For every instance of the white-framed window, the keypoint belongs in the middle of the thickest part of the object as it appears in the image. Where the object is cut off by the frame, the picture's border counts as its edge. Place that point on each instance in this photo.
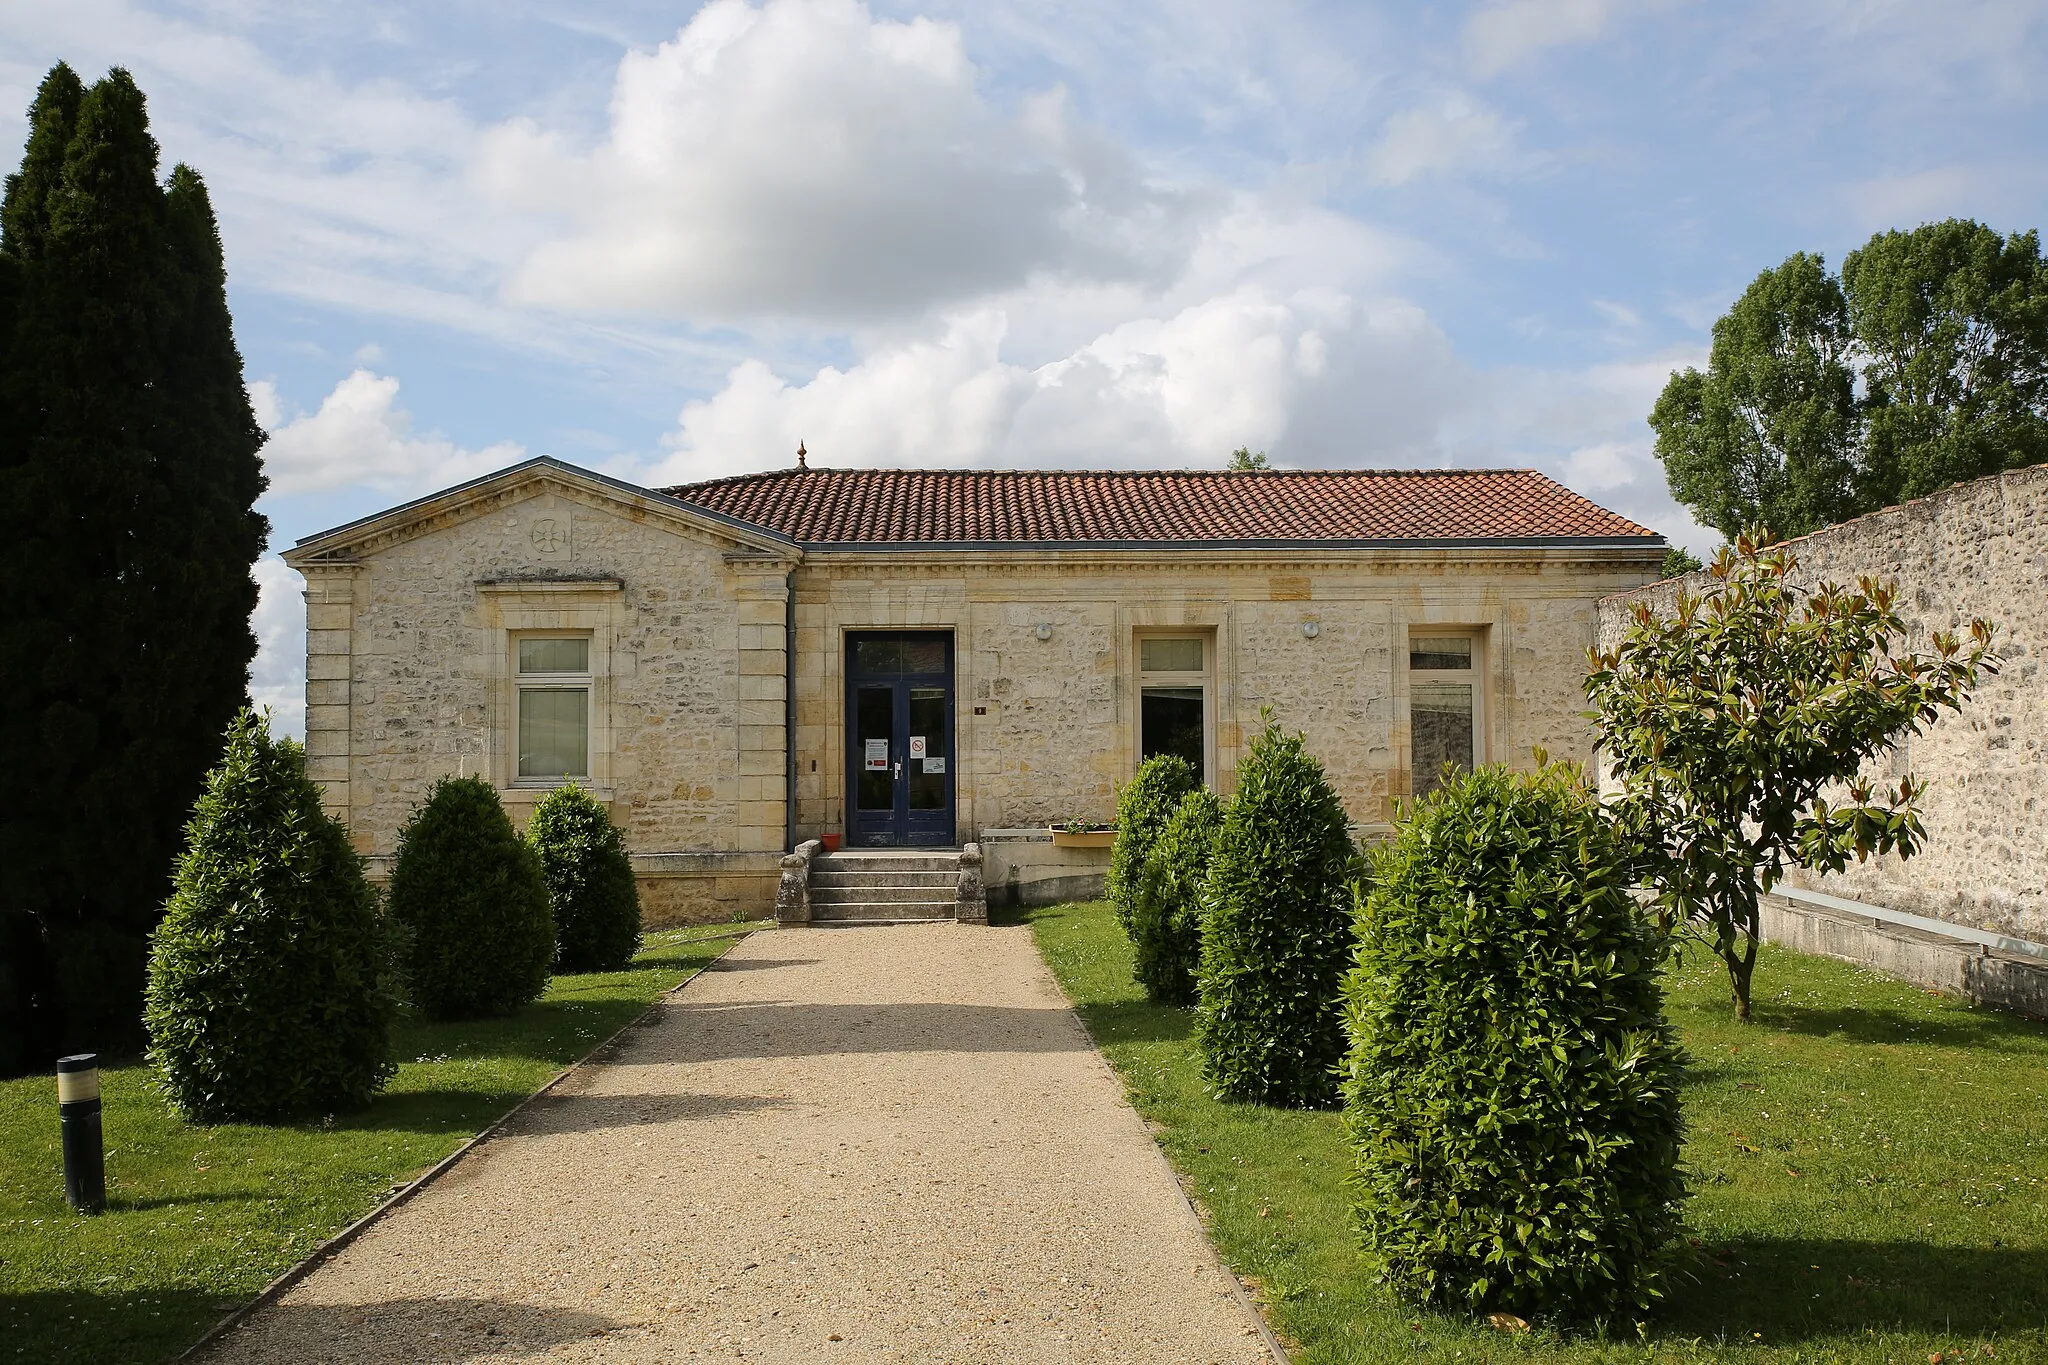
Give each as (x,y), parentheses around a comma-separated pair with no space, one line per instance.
(1446,703)
(1175,697)
(551,685)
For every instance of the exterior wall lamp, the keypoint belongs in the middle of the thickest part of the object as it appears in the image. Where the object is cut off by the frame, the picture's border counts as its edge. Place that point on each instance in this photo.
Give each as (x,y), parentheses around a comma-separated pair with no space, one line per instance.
(1044,631)
(1311,629)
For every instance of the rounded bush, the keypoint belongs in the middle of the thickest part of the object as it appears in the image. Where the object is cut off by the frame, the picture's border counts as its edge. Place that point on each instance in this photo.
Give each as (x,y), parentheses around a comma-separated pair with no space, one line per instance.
(468,894)
(267,995)
(589,880)
(1511,1092)
(1276,934)
(1166,924)
(1142,810)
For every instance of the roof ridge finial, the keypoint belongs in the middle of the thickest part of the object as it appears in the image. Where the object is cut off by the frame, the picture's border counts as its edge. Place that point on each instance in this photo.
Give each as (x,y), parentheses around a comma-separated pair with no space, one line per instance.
(801,453)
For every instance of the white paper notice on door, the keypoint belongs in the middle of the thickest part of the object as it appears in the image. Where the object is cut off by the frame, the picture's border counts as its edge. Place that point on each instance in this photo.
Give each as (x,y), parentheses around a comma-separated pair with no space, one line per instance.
(917,746)
(878,755)
(935,765)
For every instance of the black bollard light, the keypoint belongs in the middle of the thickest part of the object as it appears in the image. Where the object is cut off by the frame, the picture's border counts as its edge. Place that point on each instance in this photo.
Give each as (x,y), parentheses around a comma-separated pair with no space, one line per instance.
(78,1114)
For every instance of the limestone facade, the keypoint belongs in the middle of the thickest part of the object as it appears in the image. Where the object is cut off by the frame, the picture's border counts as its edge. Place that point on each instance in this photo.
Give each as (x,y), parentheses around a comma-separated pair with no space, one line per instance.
(414,619)
(1977,550)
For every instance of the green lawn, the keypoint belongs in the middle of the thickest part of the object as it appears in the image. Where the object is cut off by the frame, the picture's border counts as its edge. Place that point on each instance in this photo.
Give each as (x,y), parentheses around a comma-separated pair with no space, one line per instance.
(1871,1164)
(199,1219)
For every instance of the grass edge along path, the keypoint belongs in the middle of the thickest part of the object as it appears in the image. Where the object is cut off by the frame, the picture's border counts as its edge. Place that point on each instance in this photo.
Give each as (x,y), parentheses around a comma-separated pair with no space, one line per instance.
(202,1219)
(1871,1167)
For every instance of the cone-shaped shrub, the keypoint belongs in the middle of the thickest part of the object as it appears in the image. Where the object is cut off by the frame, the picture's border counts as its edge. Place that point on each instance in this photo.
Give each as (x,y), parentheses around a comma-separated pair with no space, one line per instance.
(267,996)
(1511,1093)
(1142,810)
(1276,937)
(468,892)
(1166,925)
(589,879)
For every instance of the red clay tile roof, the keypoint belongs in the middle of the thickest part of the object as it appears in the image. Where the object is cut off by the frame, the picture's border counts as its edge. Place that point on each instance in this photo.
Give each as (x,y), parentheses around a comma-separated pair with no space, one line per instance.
(1011,507)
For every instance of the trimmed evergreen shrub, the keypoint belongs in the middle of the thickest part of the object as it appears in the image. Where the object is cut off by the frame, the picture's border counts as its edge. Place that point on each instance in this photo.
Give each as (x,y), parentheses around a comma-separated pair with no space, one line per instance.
(1143,807)
(1511,1093)
(266,997)
(469,895)
(1166,924)
(589,880)
(1276,935)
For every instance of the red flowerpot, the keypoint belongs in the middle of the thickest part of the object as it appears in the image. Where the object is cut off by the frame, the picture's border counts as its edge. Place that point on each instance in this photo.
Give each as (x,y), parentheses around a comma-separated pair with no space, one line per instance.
(830,841)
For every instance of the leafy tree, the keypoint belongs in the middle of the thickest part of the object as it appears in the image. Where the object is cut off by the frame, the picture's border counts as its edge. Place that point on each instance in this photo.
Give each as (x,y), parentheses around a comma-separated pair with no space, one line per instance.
(267,996)
(1277,932)
(591,892)
(1679,561)
(1924,365)
(1166,922)
(469,898)
(128,478)
(1738,725)
(1512,1089)
(1953,320)
(1143,807)
(1768,432)
(1244,457)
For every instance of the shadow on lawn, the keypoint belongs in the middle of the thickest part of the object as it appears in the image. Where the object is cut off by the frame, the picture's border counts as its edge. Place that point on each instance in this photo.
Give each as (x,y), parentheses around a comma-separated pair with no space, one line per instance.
(1792,1289)
(1136,1021)
(56,1327)
(1984,1029)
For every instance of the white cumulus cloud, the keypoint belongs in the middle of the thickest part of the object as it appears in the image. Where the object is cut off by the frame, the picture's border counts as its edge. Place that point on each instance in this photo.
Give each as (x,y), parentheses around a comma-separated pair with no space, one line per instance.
(803,158)
(277,678)
(1255,367)
(360,436)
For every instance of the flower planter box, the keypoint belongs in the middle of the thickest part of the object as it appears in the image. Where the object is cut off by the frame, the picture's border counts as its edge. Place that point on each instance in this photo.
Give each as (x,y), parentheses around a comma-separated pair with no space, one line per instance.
(1094,838)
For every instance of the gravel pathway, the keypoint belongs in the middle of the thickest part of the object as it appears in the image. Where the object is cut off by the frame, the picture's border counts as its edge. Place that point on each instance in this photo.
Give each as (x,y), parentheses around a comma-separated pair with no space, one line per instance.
(889,1143)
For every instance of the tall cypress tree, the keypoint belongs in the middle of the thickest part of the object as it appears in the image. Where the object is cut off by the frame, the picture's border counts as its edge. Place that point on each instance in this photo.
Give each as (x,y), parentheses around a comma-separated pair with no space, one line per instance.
(128,474)
(27,1001)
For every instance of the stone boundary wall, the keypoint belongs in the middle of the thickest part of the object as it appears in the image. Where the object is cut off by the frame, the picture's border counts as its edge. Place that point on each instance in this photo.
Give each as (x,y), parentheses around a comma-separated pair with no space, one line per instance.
(1979,549)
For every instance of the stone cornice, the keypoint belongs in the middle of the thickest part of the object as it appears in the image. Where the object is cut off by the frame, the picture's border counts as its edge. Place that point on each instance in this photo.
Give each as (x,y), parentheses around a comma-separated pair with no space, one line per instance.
(357,539)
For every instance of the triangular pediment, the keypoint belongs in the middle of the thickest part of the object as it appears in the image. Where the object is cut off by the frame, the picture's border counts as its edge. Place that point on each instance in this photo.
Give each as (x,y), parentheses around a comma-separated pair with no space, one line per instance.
(532,478)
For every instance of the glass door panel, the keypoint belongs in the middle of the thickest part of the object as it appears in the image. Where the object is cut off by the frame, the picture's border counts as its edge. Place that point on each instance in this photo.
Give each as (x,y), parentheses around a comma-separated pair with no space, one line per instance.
(875,747)
(928,748)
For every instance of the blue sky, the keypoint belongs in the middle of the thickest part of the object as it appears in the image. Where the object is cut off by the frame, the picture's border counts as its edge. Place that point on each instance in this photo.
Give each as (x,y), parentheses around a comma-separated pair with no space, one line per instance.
(668,241)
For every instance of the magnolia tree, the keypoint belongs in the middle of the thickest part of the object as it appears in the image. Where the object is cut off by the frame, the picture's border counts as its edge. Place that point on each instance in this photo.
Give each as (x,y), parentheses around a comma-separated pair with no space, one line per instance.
(1738,726)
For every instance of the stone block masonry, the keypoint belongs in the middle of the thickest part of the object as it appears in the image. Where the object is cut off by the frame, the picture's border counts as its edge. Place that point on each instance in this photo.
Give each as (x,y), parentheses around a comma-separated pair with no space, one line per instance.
(1977,550)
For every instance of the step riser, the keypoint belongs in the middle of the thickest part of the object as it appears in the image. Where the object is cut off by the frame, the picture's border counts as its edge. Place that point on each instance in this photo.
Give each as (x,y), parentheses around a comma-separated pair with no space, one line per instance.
(820,880)
(882,895)
(880,862)
(879,914)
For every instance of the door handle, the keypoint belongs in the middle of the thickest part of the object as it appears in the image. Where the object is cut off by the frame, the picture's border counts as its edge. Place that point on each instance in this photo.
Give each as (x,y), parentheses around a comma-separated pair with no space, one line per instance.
(899,768)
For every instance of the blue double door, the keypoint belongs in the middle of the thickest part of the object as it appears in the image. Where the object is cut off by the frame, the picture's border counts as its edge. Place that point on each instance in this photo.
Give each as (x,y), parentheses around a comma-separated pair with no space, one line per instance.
(899,760)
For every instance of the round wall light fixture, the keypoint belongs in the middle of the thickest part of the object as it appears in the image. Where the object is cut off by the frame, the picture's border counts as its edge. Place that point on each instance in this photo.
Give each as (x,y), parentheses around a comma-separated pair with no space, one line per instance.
(1311,629)
(1044,631)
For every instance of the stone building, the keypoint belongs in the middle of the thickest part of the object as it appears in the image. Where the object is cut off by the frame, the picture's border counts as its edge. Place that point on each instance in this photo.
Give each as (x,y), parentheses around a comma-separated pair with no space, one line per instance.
(916,658)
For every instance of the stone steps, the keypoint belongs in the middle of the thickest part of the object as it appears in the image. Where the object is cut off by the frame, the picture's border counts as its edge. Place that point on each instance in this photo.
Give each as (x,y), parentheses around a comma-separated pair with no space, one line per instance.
(883,887)
(944,879)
